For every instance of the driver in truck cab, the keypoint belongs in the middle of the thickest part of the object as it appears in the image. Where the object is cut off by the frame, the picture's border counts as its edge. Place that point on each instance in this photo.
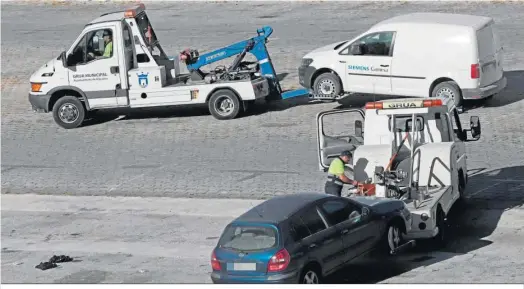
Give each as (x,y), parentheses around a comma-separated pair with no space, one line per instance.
(336,177)
(108,45)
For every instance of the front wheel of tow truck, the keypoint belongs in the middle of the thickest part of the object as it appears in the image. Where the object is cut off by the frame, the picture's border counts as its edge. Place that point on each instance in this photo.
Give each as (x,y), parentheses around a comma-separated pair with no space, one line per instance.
(224,104)
(441,239)
(69,112)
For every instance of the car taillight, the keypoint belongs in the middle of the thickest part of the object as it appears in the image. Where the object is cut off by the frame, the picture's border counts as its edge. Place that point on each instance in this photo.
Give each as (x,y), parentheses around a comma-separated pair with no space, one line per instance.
(279,261)
(214,262)
(475,71)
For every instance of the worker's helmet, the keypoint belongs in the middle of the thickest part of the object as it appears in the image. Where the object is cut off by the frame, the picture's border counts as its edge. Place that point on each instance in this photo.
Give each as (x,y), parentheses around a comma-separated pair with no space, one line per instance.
(346,154)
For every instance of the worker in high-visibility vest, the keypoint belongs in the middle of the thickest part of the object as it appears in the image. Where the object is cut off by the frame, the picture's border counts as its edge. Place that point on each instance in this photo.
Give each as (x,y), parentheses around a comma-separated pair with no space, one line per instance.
(336,177)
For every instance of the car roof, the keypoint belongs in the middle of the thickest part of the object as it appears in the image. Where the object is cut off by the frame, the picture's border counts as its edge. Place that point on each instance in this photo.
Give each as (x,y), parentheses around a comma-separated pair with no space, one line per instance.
(453,19)
(278,209)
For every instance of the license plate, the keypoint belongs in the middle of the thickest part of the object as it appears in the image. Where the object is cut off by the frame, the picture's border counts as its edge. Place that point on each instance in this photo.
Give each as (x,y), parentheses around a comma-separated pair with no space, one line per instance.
(242,266)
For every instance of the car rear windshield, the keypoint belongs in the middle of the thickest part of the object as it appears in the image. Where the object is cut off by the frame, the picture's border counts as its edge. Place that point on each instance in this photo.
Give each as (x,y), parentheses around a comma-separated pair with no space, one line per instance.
(248,238)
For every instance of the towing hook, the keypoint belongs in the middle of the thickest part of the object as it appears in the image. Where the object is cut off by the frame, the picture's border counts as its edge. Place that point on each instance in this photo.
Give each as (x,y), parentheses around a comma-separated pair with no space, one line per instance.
(401,248)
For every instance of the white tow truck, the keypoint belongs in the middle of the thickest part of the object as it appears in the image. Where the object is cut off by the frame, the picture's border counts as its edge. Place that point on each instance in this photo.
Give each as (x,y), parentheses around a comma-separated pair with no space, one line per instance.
(423,164)
(137,73)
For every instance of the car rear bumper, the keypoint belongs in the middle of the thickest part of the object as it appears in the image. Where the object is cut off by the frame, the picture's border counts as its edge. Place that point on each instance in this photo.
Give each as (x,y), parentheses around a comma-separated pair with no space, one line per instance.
(39,102)
(285,278)
(483,92)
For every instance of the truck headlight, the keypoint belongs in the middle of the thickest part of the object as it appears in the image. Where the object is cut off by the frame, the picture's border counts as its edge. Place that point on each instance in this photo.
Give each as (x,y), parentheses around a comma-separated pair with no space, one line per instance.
(47,74)
(306,61)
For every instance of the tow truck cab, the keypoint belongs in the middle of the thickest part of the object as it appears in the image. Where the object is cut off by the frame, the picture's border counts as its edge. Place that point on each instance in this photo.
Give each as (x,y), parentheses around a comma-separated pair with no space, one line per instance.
(431,153)
(135,73)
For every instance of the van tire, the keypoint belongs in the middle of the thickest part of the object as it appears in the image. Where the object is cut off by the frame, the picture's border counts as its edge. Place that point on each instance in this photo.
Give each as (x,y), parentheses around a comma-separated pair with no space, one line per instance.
(230,100)
(69,112)
(449,87)
(331,84)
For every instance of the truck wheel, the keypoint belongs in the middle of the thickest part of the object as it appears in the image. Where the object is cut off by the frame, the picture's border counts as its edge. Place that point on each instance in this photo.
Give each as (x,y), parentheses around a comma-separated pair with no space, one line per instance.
(448,89)
(224,104)
(441,239)
(69,112)
(392,238)
(327,85)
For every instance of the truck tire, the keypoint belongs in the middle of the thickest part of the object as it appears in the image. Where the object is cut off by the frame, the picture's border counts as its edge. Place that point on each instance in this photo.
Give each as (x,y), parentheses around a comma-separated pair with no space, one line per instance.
(69,112)
(224,104)
(441,239)
(327,85)
(448,89)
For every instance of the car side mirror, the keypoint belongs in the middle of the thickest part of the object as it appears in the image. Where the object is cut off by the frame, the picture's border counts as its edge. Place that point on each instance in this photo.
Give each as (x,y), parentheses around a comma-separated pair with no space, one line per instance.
(356,49)
(358,128)
(475,128)
(69,60)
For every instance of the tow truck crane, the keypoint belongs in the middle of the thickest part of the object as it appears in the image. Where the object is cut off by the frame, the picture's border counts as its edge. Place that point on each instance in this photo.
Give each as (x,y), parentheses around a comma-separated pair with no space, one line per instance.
(408,149)
(137,73)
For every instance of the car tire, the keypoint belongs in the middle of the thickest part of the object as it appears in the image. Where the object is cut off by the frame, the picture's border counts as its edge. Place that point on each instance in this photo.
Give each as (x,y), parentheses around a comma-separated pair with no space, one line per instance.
(448,89)
(69,112)
(310,275)
(441,239)
(392,238)
(327,85)
(224,104)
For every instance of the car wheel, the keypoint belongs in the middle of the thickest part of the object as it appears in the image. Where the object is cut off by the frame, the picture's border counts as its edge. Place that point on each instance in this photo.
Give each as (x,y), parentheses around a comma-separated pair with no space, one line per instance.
(448,90)
(69,112)
(310,275)
(393,238)
(224,104)
(327,85)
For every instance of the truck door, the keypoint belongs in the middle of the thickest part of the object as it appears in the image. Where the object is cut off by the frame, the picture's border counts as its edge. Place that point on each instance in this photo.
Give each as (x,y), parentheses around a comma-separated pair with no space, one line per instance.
(336,132)
(93,66)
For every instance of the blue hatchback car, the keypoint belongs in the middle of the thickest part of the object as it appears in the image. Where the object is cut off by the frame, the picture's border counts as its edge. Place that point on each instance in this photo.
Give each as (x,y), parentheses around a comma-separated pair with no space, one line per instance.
(301,238)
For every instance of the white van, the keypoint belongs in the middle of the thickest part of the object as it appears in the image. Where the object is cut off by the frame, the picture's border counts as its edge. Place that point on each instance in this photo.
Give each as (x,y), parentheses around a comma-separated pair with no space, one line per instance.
(417,55)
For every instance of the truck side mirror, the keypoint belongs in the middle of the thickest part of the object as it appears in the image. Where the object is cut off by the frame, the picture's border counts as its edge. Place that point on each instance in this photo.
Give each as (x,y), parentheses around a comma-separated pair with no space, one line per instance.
(63,58)
(475,127)
(358,128)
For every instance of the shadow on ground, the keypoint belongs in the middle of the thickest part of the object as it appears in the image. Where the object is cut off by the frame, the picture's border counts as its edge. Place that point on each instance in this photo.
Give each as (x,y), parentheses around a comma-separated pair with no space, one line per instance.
(513,92)
(478,219)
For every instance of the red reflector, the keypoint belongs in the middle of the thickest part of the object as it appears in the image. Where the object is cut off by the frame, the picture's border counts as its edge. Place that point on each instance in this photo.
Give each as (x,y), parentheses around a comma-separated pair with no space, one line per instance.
(214,262)
(475,71)
(432,102)
(374,105)
(279,261)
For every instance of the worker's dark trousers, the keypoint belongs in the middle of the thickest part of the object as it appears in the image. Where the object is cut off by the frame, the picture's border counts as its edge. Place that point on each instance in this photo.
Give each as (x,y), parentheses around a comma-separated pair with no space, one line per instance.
(333,189)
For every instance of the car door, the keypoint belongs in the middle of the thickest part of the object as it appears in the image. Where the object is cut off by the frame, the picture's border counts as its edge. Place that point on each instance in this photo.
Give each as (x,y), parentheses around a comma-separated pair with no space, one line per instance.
(359,233)
(367,62)
(96,76)
(334,134)
(324,243)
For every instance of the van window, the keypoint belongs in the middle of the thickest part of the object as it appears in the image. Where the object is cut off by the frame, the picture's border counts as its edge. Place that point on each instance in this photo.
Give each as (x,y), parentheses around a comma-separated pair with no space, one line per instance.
(376,44)
(248,238)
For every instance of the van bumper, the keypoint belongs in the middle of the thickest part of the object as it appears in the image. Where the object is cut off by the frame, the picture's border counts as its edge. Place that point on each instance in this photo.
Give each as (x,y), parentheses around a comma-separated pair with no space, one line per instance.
(483,92)
(39,102)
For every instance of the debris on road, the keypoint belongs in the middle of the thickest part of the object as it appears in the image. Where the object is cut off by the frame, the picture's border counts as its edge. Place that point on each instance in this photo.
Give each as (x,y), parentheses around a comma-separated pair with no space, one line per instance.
(52,262)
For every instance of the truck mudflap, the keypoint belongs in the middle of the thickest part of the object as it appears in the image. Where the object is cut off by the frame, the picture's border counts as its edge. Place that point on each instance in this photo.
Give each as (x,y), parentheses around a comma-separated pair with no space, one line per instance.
(260,87)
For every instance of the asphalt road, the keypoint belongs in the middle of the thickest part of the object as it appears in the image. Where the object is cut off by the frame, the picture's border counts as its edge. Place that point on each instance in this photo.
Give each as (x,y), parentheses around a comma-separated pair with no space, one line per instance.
(187,153)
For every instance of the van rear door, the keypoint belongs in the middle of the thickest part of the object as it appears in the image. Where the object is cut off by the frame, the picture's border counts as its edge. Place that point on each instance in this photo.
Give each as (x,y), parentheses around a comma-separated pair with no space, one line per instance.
(490,55)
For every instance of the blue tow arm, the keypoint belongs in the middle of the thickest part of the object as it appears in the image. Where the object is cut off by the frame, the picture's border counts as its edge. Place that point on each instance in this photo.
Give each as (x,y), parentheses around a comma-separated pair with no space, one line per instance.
(257,47)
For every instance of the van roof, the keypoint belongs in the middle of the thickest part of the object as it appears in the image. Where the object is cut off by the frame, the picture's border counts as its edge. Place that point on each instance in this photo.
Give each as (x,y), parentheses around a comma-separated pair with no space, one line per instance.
(452,19)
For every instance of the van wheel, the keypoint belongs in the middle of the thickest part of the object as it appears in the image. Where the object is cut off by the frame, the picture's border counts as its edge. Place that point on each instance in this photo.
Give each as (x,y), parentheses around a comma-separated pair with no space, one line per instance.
(224,104)
(327,85)
(69,112)
(310,275)
(447,90)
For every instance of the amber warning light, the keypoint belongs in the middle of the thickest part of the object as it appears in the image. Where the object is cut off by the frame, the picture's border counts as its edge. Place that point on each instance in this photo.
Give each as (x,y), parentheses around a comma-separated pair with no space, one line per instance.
(132,12)
(404,104)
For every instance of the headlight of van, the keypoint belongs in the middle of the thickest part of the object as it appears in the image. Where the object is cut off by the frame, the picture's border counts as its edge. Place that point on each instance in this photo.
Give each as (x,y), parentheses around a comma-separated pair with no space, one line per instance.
(47,74)
(306,61)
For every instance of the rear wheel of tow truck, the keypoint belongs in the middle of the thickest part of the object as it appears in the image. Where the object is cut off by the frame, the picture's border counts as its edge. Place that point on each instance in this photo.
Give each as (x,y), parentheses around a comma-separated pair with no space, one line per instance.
(224,104)
(392,238)
(69,112)
(448,90)
(327,85)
